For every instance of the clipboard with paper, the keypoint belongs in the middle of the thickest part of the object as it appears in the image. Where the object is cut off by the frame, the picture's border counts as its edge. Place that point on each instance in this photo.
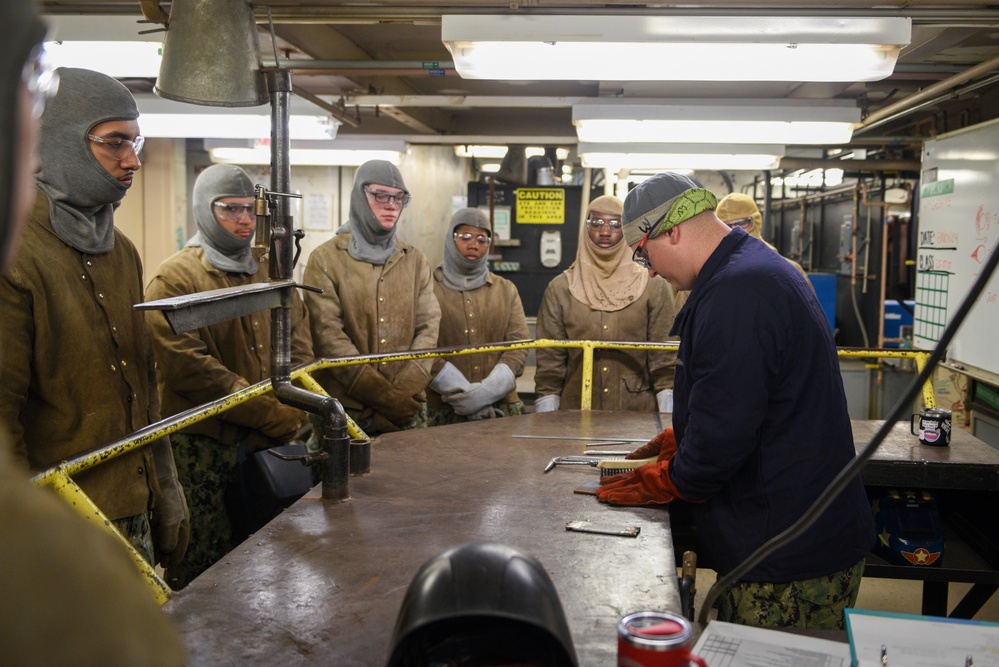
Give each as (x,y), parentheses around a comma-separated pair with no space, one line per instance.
(883,638)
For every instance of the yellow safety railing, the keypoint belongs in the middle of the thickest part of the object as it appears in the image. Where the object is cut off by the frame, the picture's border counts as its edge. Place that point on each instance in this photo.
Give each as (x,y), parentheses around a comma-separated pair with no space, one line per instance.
(59,478)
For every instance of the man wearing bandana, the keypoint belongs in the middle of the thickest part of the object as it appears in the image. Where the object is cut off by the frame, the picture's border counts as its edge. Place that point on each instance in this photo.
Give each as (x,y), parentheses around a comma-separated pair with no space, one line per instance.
(605,296)
(477,308)
(378,297)
(760,423)
(206,364)
(78,367)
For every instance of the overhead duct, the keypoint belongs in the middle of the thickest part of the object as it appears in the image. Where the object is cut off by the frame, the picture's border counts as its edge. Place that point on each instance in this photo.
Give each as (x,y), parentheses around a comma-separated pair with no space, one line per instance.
(513,168)
(540,171)
(211,55)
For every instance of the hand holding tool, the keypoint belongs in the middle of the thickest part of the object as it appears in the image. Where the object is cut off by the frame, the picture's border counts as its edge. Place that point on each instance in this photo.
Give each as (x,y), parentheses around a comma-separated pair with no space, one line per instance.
(646,485)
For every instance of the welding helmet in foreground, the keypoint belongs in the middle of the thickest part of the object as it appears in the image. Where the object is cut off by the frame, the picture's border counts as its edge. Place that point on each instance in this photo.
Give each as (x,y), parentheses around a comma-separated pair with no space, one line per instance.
(478,605)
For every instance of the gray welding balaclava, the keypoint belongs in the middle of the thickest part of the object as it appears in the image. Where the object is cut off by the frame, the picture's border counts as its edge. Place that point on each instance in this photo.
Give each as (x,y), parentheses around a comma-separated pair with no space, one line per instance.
(25,31)
(225,251)
(81,192)
(369,241)
(460,273)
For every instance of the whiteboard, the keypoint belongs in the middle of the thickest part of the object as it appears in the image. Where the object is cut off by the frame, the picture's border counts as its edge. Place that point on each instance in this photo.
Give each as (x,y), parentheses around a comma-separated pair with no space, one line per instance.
(958,229)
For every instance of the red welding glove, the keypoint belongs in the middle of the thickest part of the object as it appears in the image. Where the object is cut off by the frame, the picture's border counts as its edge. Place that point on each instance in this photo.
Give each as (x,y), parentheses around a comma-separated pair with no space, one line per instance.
(663,446)
(645,485)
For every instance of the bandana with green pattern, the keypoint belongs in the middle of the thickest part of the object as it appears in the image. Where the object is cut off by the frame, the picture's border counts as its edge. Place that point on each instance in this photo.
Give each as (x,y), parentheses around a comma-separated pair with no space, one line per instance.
(668,215)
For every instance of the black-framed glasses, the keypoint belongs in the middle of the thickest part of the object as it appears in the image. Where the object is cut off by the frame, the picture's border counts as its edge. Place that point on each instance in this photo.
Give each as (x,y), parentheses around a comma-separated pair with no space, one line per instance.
(641,255)
(598,223)
(232,212)
(402,199)
(41,80)
(477,239)
(745,223)
(119,148)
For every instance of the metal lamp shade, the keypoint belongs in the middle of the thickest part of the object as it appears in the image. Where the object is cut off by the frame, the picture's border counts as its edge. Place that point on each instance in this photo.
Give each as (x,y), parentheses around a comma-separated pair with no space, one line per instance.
(211,55)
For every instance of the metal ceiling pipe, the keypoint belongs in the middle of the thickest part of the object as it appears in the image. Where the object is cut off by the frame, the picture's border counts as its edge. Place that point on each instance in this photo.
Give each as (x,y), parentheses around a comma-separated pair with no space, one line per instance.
(331,109)
(908,104)
(418,12)
(407,65)
(795,163)
(334,440)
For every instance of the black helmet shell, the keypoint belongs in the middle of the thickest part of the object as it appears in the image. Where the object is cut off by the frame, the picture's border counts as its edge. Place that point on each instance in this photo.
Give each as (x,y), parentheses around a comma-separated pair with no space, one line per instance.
(479,602)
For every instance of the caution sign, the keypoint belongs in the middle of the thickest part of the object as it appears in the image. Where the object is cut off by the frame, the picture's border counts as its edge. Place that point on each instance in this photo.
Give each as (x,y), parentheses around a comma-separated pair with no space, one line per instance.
(541,206)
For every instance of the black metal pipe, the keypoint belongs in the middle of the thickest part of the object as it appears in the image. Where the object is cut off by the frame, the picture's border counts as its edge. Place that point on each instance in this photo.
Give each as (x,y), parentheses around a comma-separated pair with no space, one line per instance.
(334,440)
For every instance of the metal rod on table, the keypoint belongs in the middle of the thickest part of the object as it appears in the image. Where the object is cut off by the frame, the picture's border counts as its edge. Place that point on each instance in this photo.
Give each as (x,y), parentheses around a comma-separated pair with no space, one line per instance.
(572,437)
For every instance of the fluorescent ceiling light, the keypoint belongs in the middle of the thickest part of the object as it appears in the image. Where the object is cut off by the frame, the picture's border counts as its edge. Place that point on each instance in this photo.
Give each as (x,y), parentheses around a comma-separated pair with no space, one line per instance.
(491,152)
(121,60)
(159,117)
(233,126)
(110,44)
(616,157)
(345,153)
(815,178)
(674,48)
(718,121)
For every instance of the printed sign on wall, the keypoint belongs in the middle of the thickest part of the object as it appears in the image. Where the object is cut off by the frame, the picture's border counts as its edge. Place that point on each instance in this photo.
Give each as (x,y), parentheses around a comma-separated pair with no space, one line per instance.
(540,206)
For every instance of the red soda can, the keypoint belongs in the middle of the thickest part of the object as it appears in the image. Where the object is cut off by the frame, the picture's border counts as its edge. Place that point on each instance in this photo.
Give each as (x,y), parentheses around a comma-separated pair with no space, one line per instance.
(655,639)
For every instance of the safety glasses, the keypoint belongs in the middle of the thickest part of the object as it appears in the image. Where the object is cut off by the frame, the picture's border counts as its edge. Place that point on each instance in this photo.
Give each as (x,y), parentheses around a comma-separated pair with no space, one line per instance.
(641,255)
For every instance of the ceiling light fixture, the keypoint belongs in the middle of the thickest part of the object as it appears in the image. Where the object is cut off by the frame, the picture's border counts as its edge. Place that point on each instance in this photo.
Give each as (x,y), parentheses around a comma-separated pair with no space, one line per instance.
(616,157)
(159,117)
(344,153)
(121,60)
(674,48)
(487,151)
(717,121)
(233,126)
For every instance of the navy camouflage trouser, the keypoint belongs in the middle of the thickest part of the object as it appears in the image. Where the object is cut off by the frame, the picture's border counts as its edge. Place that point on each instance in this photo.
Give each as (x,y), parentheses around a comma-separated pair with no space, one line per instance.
(206,469)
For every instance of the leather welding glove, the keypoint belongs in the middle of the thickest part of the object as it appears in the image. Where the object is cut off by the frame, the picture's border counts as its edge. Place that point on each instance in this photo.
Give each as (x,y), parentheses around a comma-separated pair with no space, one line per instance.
(371,388)
(488,412)
(449,380)
(495,386)
(412,379)
(170,519)
(274,420)
(645,485)
(549,403)
(664,399)
(663,447)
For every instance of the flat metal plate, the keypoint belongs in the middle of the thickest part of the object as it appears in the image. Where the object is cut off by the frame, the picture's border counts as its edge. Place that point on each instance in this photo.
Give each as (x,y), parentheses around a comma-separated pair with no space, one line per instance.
(615,530)
(201,309)
(322,583)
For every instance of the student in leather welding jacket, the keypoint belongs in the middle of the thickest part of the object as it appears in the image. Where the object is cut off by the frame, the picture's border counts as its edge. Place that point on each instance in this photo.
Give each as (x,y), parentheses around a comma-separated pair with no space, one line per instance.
(477,308)
(71,594)
(208,363)
(760,423)
(78,369)
(605,296)
(378,297)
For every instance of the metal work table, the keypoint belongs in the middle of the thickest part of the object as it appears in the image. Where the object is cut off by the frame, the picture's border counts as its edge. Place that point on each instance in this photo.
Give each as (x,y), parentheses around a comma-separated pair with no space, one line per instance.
(322,583)
(967,463)
(964,479)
